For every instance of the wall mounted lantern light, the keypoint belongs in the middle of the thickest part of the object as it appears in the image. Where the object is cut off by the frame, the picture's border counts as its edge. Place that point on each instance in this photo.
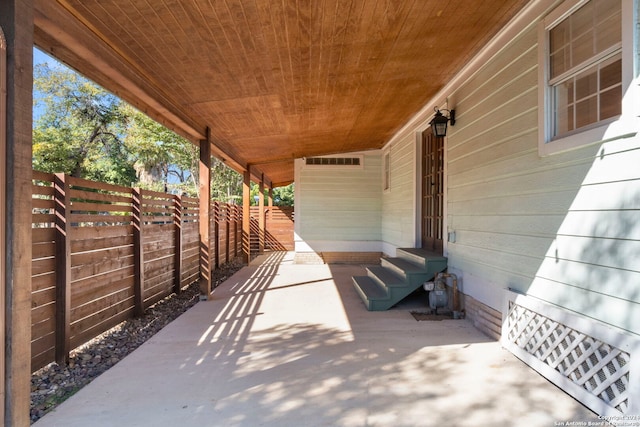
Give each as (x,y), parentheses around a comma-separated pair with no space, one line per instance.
(439,122)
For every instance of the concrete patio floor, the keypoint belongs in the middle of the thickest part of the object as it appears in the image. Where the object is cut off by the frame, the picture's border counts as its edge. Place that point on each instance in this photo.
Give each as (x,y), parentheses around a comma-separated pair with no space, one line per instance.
(292,345)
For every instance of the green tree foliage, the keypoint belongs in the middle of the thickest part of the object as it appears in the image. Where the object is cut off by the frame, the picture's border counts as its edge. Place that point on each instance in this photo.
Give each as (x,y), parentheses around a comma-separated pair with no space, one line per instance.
(226,184)
(80,129)
(162,158)
(282,196)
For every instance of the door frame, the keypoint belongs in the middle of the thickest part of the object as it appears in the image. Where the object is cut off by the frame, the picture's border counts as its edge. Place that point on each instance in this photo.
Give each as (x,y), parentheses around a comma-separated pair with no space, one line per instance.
(418,193)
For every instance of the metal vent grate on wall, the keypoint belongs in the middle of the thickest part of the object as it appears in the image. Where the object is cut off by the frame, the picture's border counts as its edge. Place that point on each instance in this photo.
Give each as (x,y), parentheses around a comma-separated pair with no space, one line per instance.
(595,363)
(333,161)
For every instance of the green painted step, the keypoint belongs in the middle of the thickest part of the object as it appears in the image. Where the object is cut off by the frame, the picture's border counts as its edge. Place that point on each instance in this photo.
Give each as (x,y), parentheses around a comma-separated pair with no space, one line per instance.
(373,294)
(395,278)
(420,256)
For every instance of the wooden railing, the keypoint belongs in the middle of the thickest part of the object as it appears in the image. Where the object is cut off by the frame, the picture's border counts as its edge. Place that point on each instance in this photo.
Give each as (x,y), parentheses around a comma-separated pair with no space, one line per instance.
(104,253)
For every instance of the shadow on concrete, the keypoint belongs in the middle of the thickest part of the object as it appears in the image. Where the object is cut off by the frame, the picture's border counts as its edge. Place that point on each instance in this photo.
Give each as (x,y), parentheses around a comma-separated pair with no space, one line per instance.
(288,345)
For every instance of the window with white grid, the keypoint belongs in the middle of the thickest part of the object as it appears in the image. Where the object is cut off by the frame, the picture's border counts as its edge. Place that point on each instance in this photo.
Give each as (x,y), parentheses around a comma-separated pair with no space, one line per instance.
(586,64)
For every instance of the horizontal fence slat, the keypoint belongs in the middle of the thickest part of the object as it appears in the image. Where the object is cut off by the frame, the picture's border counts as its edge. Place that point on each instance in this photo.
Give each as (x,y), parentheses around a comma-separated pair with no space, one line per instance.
(92,245)
(42,266)
(42,204)
(77,220)
(105,267)
(98,208)
(96,232)
(43,250)
(84,195)
(41,176)
(101,255)
(39,218)
(85,183)
(43,281)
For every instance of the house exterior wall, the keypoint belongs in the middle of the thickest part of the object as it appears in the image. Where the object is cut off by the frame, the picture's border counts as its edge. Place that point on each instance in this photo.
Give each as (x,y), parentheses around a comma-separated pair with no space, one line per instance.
(338,208)
(503,203)
(545,235)
(399,201)
(557,227)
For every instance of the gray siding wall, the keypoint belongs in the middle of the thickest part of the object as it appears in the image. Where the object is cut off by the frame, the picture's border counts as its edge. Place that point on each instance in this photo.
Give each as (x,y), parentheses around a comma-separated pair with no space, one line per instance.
(563,228)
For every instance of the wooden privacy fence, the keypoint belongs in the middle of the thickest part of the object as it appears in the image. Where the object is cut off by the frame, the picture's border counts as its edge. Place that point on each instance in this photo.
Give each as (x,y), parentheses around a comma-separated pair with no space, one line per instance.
(104,253)
(279,225)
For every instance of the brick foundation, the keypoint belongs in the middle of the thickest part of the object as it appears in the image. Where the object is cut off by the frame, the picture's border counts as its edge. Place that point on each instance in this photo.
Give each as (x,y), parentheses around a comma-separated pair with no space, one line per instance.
(337,257)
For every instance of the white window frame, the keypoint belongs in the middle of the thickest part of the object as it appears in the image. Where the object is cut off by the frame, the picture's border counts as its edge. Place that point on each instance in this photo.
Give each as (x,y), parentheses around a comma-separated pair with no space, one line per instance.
(386,171)
(613,128)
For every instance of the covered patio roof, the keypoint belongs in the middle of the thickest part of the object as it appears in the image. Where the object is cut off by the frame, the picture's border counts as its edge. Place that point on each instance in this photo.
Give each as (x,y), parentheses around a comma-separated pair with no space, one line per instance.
(270,81)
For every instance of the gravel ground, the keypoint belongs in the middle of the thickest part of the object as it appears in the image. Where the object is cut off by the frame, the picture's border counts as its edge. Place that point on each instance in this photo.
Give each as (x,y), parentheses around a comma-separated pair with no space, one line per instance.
(54,383)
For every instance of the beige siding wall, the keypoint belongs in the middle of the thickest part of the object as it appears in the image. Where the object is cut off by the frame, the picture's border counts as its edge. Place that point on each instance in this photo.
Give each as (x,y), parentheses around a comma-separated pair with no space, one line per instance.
(339,204)
(562,228)
(398,203)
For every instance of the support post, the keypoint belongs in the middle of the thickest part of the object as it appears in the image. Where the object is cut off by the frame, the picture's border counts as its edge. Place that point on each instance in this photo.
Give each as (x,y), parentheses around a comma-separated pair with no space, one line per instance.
(261,221)
(270,219)
(16,22)
(138,253)
(205,218)
(216,232)
(236,219)
(177,236)
(3,215)
(246,216)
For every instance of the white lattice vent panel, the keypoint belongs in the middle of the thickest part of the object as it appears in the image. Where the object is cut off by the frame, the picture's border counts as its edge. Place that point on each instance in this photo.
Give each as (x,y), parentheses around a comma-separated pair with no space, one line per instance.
(595,363)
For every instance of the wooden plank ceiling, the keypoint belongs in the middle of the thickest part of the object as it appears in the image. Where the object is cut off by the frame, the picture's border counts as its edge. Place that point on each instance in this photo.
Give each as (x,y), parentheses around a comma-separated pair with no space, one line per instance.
(272,80)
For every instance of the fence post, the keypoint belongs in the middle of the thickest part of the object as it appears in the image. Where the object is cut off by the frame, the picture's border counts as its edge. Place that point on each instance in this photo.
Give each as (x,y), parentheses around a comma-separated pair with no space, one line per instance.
(138,253)
(238,229)
(63,268)
(177,260)
(261,219)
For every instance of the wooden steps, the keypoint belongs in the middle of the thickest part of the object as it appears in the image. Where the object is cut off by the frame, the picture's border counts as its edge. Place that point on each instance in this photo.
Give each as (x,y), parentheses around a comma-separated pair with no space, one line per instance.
(395,278)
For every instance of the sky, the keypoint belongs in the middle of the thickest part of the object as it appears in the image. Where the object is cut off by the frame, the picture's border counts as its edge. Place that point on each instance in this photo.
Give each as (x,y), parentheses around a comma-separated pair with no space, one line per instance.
(40,57)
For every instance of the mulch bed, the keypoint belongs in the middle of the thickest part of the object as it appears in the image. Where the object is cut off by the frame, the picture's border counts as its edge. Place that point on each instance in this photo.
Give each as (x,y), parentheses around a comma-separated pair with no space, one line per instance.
(431,316)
